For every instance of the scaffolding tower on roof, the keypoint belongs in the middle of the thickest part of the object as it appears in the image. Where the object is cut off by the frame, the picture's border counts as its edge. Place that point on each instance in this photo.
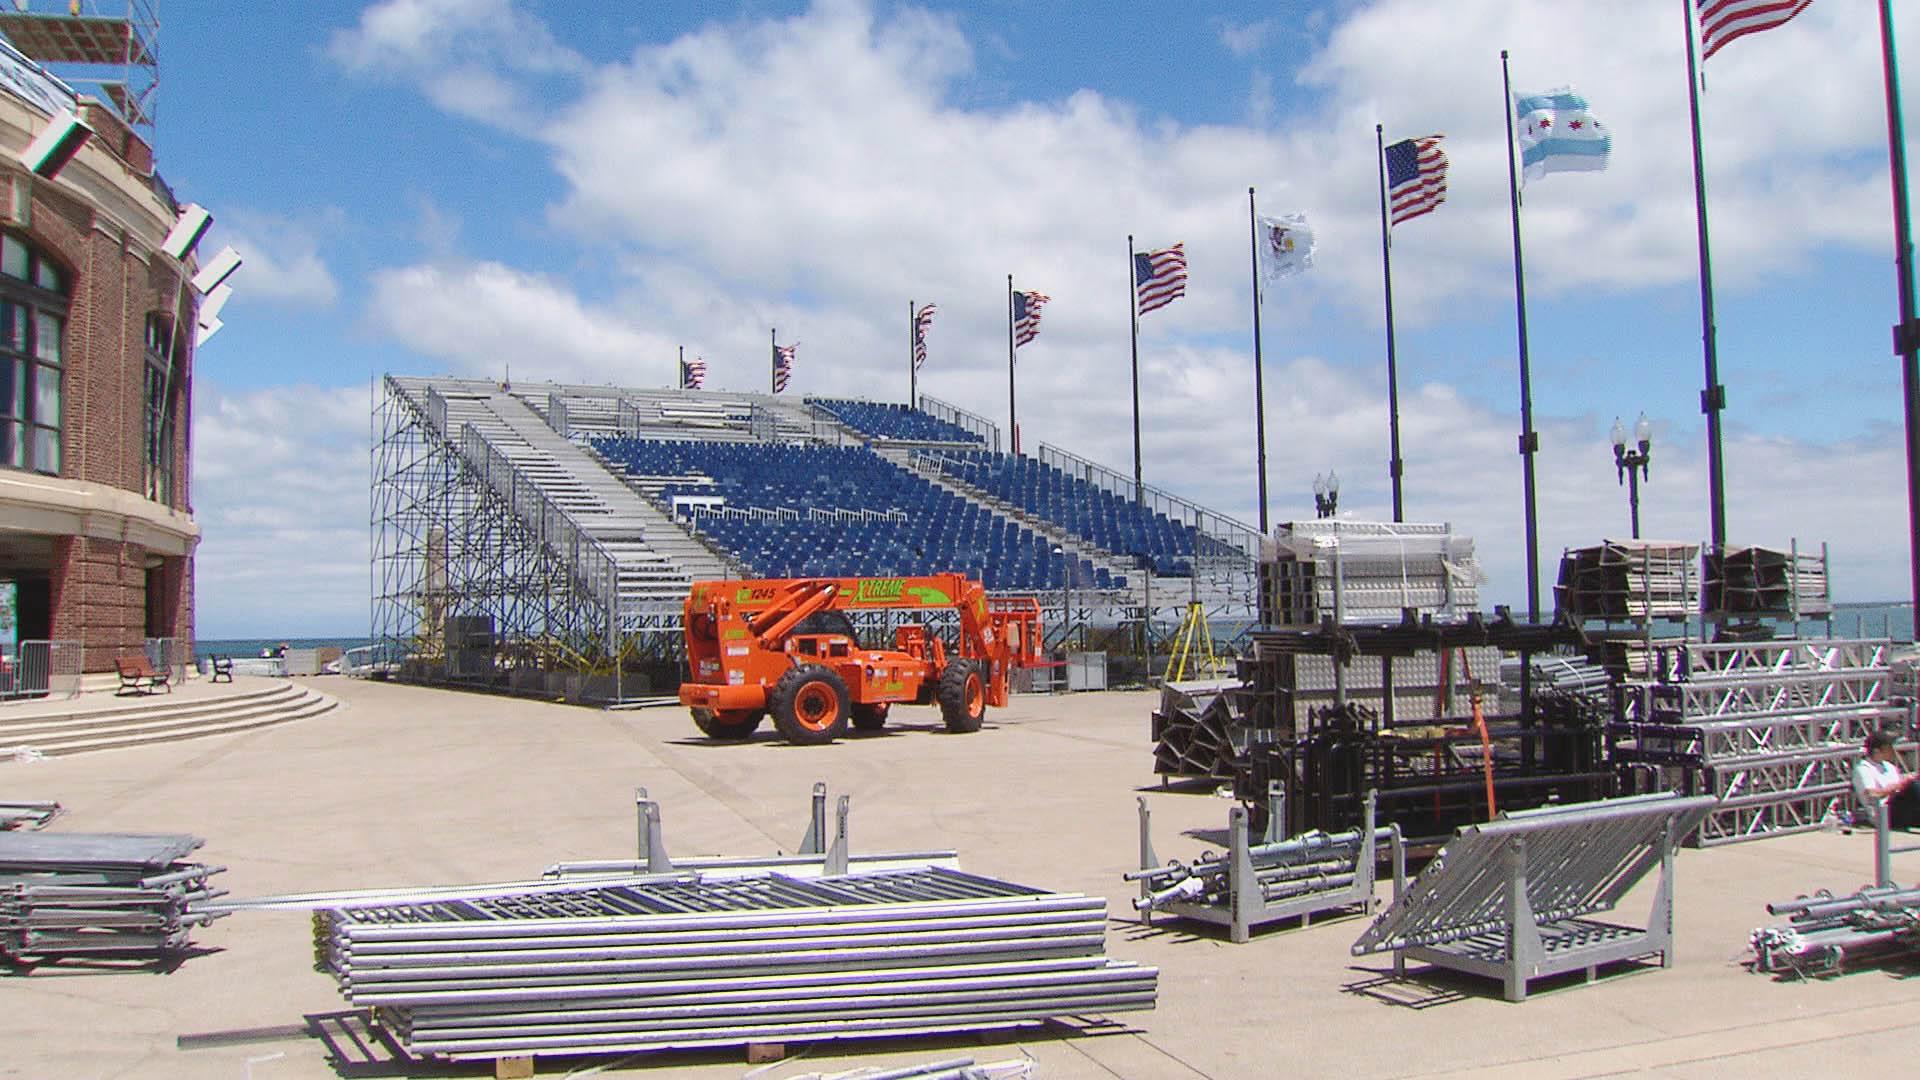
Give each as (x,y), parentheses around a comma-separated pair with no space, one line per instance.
(109,46)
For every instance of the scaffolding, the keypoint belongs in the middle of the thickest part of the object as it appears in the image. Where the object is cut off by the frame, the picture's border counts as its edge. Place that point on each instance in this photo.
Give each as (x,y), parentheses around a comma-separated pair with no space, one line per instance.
(109,46)
(478,577)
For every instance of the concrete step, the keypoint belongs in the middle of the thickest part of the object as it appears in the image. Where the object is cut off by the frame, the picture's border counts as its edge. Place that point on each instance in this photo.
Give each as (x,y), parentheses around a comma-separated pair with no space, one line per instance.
(298,705)
(161,705)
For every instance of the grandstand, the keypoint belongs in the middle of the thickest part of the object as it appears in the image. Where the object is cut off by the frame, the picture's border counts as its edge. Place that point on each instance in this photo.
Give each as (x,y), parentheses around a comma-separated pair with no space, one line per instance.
(526,533)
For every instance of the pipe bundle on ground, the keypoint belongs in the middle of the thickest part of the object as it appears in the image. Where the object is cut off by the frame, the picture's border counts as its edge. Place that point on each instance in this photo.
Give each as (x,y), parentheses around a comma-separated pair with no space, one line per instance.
(99,894)
(1824,931)
(1310,863)
(691,962)
(27,815)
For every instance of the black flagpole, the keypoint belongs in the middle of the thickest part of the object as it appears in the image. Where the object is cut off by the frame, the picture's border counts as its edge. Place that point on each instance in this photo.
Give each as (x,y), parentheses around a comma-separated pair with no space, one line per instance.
(1529,442)
(1013,418)
(773,371)
(1394,464)
(683,367)
(1133,307)
(1714,398)
(1906,336)
(1259,385)
(913,369)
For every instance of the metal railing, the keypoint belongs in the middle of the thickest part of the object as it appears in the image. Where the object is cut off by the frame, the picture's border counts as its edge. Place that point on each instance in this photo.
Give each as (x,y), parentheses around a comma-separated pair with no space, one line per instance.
(1238,537)
(592,563)
(972,423)
(41,668)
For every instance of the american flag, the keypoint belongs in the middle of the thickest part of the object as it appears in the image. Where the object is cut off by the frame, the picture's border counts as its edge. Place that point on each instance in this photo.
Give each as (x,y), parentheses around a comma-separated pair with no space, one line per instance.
(783,365)
(1026,316)
(1722,21)
(1416,177)
(1159,277)
(693,374)
(922,321)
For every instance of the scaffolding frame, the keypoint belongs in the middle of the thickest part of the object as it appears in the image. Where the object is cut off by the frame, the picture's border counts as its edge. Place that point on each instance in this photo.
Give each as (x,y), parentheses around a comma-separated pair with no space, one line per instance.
(473,581)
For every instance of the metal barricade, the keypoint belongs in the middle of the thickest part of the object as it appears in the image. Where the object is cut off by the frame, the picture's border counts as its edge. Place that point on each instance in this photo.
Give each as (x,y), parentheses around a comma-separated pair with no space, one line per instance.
(169,653)
(41,668)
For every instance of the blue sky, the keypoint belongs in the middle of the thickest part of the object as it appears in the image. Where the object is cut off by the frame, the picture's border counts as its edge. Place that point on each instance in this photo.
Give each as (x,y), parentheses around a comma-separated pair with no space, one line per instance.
(455,186)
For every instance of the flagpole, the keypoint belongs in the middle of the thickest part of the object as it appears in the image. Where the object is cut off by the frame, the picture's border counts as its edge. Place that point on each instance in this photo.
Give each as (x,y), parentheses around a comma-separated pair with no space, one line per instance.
(773,369)
(1714,398)
(1906,336)
(1394,464)
(1013,420)
(683,367)
(913,370)
(1259,385)
(1133,309)
(1529,441)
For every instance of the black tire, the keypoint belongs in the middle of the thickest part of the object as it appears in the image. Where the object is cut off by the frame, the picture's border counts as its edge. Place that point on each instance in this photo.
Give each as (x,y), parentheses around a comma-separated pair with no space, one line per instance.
(963,697)
(728,724)
(870,717)
(810,705)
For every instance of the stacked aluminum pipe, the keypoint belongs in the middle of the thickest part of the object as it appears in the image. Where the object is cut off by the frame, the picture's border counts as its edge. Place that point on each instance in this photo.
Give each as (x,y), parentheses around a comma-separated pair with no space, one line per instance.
(691,962)
(99,894)
(1825,931)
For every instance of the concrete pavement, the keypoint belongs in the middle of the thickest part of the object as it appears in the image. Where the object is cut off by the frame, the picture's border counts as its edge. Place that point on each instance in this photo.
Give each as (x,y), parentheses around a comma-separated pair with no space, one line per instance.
(410,786)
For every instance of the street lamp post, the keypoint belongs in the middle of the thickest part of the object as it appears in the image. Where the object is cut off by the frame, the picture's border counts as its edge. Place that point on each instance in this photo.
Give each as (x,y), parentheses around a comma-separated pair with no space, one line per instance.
(1630,465)
(1326,494)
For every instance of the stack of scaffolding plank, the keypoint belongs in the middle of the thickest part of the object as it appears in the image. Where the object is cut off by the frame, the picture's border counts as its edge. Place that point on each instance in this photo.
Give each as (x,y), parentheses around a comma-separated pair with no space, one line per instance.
(1772,728)
(1629,580)
(1368,572)
(1195,729)
(1426,684)
(694,962)
(99,894)
(1757,581)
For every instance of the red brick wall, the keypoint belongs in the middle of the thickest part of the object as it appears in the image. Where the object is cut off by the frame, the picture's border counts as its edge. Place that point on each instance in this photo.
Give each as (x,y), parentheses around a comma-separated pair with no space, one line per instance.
(99,587)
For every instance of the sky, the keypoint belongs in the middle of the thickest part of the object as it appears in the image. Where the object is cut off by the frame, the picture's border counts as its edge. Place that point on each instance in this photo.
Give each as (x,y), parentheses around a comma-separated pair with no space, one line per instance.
(572,191)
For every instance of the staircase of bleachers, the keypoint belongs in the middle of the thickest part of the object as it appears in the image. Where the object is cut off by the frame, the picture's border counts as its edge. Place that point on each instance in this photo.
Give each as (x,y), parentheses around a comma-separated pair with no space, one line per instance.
(1099,517)
(810,510)
(893,422)
(651,560)
(930,464)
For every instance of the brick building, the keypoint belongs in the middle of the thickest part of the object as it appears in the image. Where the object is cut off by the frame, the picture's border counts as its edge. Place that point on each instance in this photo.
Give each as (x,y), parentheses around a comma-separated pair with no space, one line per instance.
(97,328)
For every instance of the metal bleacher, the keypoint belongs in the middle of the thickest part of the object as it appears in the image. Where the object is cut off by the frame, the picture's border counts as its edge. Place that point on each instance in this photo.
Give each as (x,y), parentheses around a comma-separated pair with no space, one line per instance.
(639,492)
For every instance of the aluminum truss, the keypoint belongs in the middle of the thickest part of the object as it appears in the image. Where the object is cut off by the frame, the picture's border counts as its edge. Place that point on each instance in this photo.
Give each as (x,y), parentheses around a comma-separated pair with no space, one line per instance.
(1772,728)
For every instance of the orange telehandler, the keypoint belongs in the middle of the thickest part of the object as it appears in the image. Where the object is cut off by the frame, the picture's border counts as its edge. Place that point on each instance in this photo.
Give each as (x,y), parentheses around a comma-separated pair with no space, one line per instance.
(786,646)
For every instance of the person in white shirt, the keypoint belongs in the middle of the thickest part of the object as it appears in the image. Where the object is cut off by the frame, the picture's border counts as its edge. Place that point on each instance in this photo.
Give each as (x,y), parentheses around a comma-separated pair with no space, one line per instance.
(1878,782)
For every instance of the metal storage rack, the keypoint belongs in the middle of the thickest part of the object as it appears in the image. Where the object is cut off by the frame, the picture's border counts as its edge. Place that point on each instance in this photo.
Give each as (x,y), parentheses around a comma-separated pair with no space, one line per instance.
(1256,883)
(1513,899)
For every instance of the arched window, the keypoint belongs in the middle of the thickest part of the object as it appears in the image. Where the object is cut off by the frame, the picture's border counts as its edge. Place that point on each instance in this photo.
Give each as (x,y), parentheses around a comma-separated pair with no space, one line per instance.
(33,320)
(162,397)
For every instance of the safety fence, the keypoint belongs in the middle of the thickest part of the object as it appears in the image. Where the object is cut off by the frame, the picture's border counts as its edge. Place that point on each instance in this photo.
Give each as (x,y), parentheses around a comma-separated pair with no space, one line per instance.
(41,668)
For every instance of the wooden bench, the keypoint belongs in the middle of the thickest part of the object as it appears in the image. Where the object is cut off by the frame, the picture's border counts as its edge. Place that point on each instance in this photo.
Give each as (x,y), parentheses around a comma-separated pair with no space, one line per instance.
(139,676)
(221,667)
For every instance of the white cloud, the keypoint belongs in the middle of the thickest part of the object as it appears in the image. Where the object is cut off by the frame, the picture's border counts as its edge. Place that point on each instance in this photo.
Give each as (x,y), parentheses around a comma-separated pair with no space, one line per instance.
(283,263)
(279,487)
(483,318)
(815,172)
(472,57)
(1245,39)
